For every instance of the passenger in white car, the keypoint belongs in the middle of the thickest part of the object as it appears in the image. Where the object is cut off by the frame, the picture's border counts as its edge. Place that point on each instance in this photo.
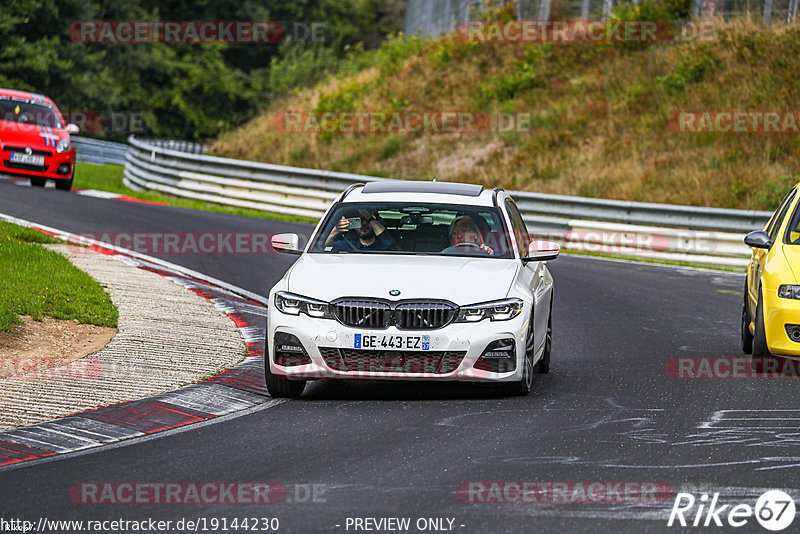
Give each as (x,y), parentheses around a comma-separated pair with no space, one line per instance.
(372,235)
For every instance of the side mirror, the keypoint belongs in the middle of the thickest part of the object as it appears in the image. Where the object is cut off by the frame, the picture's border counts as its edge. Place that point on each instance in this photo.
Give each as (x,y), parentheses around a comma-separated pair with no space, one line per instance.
(758,239)
(73,129)
(288,243)
(542,251)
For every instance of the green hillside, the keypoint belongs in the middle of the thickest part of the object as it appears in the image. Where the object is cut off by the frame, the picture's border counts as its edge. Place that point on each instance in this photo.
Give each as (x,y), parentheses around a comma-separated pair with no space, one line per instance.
(599,116)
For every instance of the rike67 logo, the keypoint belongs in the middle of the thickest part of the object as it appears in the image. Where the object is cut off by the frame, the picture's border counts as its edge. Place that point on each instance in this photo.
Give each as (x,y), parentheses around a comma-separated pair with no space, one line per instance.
(774,510)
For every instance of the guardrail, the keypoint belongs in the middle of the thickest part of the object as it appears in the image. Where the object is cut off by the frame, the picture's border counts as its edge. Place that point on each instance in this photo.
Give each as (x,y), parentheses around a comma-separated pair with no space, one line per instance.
(96,151)
(706,236)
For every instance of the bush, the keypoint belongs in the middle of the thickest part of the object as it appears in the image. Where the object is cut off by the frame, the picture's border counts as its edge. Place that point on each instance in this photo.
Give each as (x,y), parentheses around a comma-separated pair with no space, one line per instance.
(527,74)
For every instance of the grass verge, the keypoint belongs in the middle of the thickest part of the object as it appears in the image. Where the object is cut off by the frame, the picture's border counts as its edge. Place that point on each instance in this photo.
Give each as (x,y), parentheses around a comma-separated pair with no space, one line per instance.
(40,282)
(655,261)
(109,178)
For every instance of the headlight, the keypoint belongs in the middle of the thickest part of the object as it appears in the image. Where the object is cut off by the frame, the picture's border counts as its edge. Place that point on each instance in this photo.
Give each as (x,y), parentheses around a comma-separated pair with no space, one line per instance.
(63,146)
(789,292)
(295,305)
(498,310)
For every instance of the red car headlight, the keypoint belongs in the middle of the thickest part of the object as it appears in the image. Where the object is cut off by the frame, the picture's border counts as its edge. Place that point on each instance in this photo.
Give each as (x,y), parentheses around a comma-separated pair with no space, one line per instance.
(63,146)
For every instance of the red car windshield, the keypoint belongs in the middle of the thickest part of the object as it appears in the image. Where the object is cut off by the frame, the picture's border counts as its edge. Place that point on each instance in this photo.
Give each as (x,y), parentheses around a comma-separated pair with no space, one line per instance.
(28,113)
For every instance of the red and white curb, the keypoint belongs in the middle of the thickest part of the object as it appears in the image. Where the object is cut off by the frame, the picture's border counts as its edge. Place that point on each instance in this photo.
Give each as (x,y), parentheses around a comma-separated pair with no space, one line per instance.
(235,389)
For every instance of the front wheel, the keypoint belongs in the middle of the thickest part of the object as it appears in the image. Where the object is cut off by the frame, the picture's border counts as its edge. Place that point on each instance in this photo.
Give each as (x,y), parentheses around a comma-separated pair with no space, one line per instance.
(523,387)
(278,386)
(747,336)
(544,361)
(761,354)
(64,185)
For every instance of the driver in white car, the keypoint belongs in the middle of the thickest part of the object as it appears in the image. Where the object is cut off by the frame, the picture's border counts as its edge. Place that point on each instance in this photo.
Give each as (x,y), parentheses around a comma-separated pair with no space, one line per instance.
(466,238)
(372,235)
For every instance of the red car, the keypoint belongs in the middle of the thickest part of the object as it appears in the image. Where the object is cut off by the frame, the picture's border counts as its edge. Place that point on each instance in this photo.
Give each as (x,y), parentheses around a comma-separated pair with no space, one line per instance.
(34,141)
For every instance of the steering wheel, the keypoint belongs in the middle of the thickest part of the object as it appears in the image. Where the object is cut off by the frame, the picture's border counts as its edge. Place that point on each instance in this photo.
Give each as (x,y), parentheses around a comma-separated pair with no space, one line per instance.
(467,244)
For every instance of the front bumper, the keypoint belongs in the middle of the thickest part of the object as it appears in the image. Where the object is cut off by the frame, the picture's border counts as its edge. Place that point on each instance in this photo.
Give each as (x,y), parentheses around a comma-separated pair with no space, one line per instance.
(471,339)
(49,170)
(779,312)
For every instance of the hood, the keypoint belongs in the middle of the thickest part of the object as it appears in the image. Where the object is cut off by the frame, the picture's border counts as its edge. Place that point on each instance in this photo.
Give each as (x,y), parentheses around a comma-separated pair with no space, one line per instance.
(31,135)
(792,255)
(457,279)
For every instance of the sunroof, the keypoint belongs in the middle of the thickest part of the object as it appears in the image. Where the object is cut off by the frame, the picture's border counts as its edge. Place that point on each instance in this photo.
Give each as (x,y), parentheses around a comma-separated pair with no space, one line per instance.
(443,188)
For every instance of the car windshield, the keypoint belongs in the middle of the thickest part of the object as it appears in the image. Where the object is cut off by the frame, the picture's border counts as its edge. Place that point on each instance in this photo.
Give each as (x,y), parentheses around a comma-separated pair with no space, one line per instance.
(416,229)
(18,111)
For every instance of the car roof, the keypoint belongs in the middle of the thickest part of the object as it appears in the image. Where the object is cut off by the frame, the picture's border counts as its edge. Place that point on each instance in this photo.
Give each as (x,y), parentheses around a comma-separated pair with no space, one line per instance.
(27,95)
(420,191)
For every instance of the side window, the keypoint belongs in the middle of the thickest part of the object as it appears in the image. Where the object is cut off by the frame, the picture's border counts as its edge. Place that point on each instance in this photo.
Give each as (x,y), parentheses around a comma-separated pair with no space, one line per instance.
(773,231)
(775,216)
(792,236)
(518,225)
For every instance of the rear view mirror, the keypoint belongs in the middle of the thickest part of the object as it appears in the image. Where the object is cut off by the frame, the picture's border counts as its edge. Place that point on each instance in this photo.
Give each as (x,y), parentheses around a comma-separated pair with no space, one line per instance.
(73,129)
(542,251)
(288,243)
(758,239)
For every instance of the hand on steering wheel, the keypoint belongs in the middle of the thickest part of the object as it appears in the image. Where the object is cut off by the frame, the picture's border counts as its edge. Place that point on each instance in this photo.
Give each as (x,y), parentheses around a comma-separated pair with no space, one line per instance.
(483,247)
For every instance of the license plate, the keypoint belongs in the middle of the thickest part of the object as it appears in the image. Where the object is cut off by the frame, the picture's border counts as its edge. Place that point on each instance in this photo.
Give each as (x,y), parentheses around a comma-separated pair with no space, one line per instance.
(27,159)
(377,341)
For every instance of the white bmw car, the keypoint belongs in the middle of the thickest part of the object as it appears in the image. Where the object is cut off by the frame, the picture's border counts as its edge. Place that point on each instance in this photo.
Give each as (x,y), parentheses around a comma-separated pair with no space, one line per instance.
(412,281)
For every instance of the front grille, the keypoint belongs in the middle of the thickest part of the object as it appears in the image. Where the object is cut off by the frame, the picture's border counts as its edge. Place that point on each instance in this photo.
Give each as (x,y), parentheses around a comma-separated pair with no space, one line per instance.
(406,315)
(21,167)
(391,361)
(21,150)
(362,313)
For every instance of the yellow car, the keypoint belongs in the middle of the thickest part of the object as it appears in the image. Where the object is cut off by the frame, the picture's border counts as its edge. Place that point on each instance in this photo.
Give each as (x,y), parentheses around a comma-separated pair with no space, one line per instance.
(771,311)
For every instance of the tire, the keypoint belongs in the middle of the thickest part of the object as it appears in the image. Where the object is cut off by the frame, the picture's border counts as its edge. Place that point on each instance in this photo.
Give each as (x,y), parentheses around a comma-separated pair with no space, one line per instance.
(38,182)
(761,354)
(522,388)
(64,185)
(747,336)
(279,387)
(543,365)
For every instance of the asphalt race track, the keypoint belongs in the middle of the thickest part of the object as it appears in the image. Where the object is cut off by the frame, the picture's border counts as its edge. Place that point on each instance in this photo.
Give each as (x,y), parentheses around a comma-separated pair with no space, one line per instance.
(609,411)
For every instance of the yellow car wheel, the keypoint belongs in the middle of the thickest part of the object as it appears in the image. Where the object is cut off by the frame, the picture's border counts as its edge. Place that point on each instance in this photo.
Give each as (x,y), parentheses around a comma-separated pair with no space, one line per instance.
(747,336)
(761,352)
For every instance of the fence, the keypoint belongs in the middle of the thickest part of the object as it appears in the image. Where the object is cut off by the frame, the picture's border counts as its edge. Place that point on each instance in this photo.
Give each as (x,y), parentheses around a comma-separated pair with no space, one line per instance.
(770,12)
(706,236)
(434,17)
(95,151)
